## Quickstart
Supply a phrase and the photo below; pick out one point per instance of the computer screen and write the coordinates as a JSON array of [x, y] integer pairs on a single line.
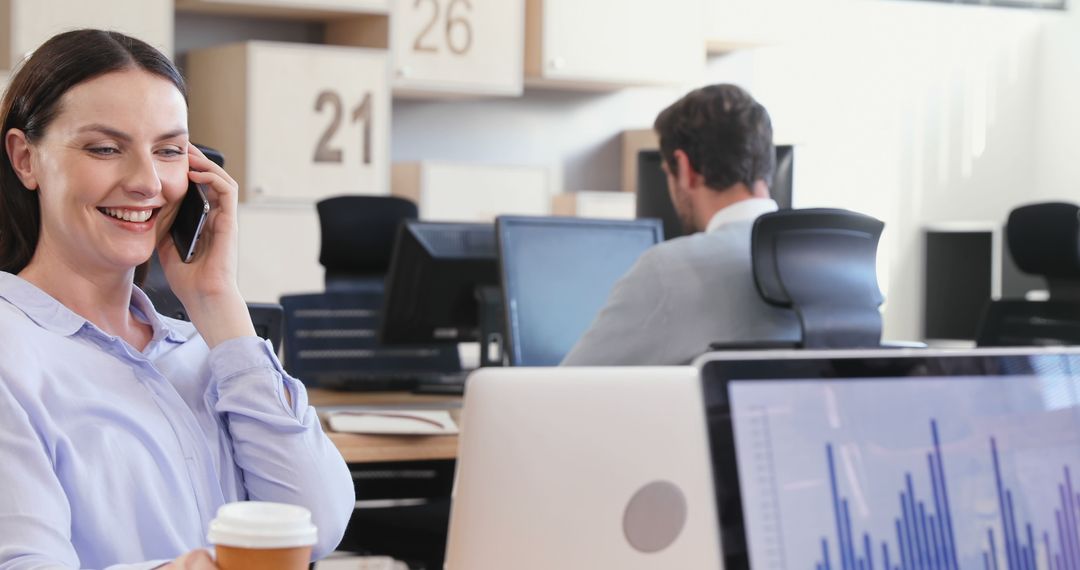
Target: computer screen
[[903, 459], [557, 274], [653, 200], [435, 270]]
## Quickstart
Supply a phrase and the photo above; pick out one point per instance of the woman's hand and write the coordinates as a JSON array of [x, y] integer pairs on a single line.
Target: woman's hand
[[207, 286], [194, 560]]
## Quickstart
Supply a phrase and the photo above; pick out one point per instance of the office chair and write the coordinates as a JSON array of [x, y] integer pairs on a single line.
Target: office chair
[[358, 237], [822, 264], [1044, 240], [331, 340]]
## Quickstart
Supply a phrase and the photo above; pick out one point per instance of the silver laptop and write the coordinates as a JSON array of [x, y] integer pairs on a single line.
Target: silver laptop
[[887, 460], [583, 468]]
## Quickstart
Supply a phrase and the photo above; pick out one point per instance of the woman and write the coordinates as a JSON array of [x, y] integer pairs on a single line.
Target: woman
[[122, 431]]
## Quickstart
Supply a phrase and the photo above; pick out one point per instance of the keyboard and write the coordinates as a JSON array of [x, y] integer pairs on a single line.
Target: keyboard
[[392, 381], [449, 384]]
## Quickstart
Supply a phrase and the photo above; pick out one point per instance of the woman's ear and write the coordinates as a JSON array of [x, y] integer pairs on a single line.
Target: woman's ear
[[20, 153]]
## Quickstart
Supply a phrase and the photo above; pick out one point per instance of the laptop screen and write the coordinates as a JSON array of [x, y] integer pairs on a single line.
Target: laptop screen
[[896, 461]]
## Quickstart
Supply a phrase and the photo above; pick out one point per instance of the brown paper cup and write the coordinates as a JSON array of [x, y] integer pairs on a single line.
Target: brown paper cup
[[252, 535]]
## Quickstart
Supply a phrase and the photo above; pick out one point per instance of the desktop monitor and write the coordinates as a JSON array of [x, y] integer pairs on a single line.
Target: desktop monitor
[[431, 288], [654, 201], [557, 274], [895, 459]]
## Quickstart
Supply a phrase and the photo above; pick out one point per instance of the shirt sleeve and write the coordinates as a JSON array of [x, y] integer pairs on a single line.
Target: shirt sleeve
[[280, 448], [625, 331]]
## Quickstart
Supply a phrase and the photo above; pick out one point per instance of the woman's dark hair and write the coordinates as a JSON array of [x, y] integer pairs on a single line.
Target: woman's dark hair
[[31, 103], [725, 133]]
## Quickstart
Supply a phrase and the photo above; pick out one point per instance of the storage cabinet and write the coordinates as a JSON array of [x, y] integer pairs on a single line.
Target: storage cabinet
[[296, 122], [737, 24], [313, 9], [458, 46], [593, 204], [279, 251], [613, 43], [25, 24], [450, 191]]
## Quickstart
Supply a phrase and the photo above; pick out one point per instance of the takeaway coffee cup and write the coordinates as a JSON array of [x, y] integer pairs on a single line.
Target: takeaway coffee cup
[[252, 535]]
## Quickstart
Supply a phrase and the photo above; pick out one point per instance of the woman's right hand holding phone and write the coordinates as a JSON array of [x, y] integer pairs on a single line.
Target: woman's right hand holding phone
[[207, 286]]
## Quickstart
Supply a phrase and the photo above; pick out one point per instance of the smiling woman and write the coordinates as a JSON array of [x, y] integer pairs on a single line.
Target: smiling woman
[[122, 431]]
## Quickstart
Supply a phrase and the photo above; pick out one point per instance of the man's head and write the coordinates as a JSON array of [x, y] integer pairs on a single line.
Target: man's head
[[717, 146]]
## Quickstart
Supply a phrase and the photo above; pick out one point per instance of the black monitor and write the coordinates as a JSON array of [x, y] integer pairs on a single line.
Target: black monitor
[[431, 289], [653, 200], [557, 274]]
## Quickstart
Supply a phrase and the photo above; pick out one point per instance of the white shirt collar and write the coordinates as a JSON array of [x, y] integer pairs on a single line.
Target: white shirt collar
[[742, 211]]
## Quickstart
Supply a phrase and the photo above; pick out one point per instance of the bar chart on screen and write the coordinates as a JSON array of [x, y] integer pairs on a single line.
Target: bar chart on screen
[[875, 475]]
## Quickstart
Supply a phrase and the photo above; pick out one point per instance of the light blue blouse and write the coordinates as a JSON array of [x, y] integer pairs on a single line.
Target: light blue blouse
[[115, 458]]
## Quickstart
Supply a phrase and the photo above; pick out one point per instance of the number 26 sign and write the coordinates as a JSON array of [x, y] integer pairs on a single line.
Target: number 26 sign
[[464, 46]]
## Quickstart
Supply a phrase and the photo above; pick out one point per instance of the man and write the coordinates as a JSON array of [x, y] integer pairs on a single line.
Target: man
[[681, 295]]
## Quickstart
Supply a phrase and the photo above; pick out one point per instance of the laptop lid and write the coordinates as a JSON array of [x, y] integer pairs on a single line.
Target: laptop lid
[[583, 468], [897, 460]]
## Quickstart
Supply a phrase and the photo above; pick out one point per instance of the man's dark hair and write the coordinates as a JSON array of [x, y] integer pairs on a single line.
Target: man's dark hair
[[726, 134]]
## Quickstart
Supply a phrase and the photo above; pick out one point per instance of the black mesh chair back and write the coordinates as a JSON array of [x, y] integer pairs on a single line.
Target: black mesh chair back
[[358, 235], [1044, 239]]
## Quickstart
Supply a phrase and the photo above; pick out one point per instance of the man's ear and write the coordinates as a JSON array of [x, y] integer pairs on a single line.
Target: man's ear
[[20, 153], [686, 175]]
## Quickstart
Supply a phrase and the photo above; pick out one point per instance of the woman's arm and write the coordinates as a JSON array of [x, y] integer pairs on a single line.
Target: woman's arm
[[277, 439], [279, 444]]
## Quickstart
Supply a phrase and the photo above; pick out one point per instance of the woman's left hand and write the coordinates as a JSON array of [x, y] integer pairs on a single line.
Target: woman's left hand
[[207, 286]]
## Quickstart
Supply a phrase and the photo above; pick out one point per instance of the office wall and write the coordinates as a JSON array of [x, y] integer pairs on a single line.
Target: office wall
[[912, 112], [908, 111], [1057, 172]]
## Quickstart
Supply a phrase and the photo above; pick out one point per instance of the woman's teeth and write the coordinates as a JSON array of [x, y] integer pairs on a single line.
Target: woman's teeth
[[129, 215]]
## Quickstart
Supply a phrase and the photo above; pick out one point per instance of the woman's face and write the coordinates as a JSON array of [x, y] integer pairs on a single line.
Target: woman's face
[[111, 169]]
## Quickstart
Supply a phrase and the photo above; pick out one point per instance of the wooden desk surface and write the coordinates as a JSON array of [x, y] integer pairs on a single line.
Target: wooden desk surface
[[357, 448]]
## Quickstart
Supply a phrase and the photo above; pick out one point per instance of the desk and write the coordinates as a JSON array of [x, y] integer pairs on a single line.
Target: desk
[[357, 448]]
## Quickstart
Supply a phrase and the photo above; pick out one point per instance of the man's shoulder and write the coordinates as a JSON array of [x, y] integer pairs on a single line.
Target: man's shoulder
[[732, 240]]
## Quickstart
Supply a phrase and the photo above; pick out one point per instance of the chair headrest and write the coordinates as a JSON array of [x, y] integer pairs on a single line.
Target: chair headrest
[[358, 232], [1044, 239], [823, 264], [821, 252]]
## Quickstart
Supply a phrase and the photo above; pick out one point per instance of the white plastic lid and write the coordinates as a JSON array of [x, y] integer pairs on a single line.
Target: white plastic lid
[[256, 524]]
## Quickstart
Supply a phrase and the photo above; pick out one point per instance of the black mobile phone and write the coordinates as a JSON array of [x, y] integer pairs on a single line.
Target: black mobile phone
[[189, 222]]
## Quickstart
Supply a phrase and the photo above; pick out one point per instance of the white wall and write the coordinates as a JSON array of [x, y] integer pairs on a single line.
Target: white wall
[[1057, 167], [913, 112]]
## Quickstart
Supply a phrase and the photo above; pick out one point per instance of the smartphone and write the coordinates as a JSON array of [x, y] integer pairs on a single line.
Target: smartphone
[[189, 222]]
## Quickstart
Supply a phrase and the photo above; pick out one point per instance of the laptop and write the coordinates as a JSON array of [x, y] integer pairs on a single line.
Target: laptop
[[820, 460], [597, 468], [895, 459]]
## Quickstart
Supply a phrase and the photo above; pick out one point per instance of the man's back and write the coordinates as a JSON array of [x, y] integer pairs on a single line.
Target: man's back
[[679, 297]]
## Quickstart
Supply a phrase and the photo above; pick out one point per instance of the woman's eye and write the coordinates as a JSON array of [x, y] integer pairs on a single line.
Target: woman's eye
[[170, 152], [104, 150]]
